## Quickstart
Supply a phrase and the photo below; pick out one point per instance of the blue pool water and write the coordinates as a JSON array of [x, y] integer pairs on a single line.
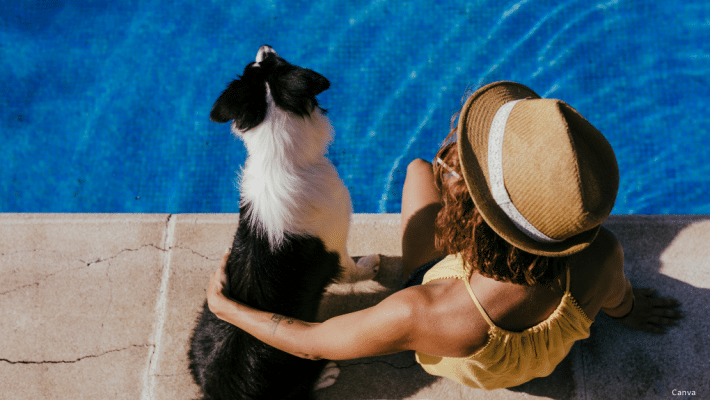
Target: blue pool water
[[104, 105]]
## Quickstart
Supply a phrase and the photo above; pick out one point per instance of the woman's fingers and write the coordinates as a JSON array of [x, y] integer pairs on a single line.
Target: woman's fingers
[[652, 314], [664, 302], [663, 321], [220, 273], [218, 278], [654, 329]]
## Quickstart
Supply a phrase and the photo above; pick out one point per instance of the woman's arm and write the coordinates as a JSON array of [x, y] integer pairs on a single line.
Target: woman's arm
[[383, 329], [619, 297], [636, 308]]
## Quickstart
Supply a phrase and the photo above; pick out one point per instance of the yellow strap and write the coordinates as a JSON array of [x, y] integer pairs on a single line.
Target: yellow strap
[[484, 314]]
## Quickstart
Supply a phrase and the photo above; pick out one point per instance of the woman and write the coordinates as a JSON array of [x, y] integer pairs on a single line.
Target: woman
[[514, 208]]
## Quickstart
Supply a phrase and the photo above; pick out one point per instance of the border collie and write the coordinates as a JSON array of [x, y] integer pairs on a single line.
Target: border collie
[[293, 226]]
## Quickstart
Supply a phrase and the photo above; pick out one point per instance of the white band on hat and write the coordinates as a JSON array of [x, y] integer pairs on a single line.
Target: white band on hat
[[495, 172]]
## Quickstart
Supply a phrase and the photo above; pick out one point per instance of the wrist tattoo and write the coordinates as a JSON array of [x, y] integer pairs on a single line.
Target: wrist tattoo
[[276, 320]]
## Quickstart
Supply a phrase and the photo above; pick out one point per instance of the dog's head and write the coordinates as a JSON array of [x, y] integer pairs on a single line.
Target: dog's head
[[292, 88]]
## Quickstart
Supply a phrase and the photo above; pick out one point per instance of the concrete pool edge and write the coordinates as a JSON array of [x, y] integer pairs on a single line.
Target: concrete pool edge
[[104, 303]]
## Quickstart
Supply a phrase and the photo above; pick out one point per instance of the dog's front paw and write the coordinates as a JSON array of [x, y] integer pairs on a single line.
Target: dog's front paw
[[327, 377], [365, 269], [368, 267]]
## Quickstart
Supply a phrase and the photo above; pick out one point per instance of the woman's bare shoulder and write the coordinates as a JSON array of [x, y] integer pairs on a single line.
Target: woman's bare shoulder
[[603, 253], [444, 322]]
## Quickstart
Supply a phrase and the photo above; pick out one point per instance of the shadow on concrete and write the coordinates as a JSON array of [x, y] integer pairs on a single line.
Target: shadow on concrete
[[615, 362], [618, 362], [394, 376], [560, 384]]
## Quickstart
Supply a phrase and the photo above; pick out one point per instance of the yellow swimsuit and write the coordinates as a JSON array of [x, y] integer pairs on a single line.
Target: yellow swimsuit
[[509, 358]]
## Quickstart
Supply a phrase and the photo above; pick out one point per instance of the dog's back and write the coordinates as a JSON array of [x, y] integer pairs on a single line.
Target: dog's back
[[229, 363], [279, 260]]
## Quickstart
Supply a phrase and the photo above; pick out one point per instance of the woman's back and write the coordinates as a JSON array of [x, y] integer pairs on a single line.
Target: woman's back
[[500, 356], [596, 275], [459, 329]]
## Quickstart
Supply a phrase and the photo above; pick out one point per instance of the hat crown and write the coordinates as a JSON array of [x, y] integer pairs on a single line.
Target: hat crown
[[558, 171]]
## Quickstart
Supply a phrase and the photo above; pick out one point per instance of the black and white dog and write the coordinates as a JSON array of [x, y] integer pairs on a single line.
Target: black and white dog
[[291, 239]]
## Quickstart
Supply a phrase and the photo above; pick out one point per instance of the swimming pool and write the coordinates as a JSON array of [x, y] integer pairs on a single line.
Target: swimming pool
[[104, 105]]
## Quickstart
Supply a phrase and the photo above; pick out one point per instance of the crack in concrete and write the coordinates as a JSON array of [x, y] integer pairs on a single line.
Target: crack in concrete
[[41, 279], [76, 360], [100, 259], [87, 264], [196, 253]]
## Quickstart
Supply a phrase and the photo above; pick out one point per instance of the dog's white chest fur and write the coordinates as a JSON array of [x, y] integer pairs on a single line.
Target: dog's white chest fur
[[289, 183]]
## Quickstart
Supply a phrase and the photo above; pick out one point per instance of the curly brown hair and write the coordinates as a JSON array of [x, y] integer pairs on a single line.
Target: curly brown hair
[[461, 229]]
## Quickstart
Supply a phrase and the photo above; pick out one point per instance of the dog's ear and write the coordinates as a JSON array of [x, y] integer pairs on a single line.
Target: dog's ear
[[222, 108], [296, 90], [317, 83], [244, 102]]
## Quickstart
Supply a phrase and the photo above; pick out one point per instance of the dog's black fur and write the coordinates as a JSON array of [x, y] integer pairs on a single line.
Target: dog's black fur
[[225, 361]]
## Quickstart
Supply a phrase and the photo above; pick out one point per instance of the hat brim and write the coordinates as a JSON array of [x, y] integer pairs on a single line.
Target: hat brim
[[472, 135]]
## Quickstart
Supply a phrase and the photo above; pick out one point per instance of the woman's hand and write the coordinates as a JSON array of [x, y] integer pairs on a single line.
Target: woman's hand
[[651, 314], [215, 298]]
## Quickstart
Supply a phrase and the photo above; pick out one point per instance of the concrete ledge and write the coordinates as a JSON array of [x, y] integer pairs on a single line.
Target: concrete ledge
[[101, 306]]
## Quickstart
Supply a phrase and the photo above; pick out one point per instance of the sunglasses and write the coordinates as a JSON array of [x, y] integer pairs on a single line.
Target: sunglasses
[[451, 171]]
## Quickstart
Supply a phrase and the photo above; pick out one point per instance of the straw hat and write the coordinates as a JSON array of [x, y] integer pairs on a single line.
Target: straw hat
[[540, 174]]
